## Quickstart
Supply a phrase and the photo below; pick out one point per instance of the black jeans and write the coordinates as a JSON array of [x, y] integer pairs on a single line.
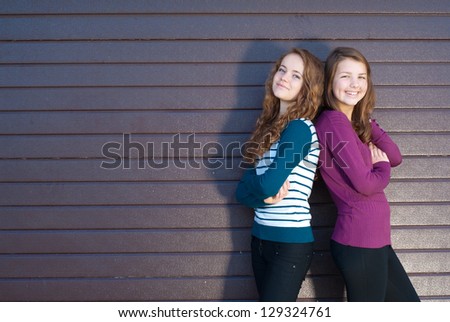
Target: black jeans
[[373, 274], [280, 268]]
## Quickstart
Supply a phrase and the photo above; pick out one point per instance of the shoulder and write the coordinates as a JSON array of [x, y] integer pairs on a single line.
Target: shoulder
[[298, 129], [299, 126], [331, 115], [331, 118], [374, 123]]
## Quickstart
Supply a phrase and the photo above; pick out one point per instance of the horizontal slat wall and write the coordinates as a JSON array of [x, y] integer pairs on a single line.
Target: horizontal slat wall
[[210, 51], [161, 223], [187, 98], [148, 122], [201, 75], [217, 6], [239, 26]]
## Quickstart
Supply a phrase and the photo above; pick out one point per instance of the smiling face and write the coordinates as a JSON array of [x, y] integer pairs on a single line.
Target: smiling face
[[349, 83], [288, 80]]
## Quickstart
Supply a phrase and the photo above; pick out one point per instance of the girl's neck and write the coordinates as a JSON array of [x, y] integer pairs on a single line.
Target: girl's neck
[[283, 108]]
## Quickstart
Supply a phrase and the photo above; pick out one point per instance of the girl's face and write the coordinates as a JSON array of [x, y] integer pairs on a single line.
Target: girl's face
[[288, 79], [349, 83]]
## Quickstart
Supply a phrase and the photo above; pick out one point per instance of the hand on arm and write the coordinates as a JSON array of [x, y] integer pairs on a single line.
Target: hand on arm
[[377, 154], [293, 146], [284, 190], [365, 179]]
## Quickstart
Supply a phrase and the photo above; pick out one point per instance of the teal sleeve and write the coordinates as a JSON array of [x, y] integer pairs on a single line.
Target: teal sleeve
[[244, 196], [294, 145]]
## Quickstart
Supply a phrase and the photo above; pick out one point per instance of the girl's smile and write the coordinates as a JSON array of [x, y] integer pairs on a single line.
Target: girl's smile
[[349, 83]]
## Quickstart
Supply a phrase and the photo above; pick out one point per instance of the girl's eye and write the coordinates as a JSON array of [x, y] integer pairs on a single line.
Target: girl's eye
[[297, 77], [281, 69]]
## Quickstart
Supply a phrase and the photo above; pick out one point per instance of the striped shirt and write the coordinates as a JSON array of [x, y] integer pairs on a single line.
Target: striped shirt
[[294, 157]]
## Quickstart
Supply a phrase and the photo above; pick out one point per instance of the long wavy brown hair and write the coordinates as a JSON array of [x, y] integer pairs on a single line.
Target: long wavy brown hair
[[364, 108], [269, 126]]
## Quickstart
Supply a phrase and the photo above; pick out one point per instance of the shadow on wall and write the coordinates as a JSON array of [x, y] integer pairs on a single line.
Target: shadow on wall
[[323, 281]]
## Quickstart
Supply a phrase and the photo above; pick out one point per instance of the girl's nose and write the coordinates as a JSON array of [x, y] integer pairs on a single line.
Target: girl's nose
[[354, 83]]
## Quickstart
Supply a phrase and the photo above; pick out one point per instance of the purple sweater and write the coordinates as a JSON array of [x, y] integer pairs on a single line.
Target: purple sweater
[[355, 185]]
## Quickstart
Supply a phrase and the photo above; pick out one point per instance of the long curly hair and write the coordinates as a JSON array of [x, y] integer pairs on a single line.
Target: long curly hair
[[268, 125], [364, 108]]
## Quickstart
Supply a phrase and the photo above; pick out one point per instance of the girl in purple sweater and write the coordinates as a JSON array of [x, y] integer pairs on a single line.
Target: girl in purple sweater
[[355, 162]]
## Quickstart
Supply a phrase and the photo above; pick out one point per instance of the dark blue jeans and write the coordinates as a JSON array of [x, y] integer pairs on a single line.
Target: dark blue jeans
[[373, 274], [280, 269]]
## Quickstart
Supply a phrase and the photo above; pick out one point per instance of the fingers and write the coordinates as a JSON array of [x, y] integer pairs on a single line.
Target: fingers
[[286, 186], [284, 190], [377, 154]]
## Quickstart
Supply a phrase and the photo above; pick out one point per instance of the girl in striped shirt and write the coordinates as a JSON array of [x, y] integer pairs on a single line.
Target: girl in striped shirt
[[283, 153]]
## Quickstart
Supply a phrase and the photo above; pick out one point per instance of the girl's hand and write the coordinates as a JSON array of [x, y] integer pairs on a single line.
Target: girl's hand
[[377, 154], [280, 195]]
